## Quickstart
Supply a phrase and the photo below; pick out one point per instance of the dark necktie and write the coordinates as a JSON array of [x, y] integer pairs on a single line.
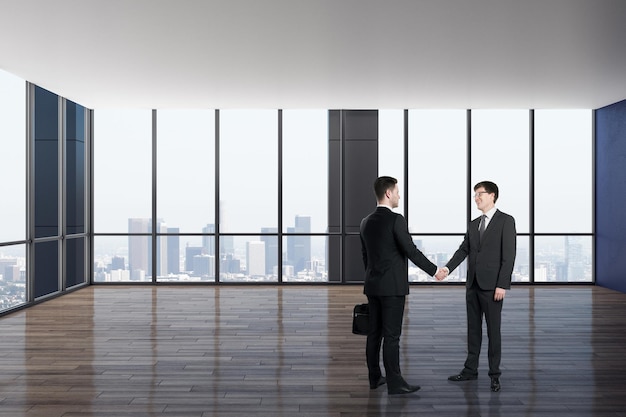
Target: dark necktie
[[481, 227]]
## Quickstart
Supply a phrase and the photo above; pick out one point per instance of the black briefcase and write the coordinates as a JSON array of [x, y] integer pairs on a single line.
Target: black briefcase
[[361, 319]]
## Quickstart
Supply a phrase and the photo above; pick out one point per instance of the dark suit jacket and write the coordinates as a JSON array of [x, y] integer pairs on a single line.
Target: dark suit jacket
[[386, 244], [490, 261]]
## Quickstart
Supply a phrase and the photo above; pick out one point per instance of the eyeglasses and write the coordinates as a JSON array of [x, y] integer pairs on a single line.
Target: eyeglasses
[[477, 194]]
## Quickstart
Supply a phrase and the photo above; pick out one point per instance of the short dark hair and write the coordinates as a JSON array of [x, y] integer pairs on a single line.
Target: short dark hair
[[382, 184], [490, 187]]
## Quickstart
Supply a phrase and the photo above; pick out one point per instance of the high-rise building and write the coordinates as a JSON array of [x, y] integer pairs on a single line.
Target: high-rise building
[[7, 262], [271, 249], [173, 250], [161, 240], [117, 262], [208, 242], [255, 258], [227, 243], [574, 258], [560, 271], [299, 247], [190, 252], [229, 265], [11, 273], [202, 265], [139, 248]]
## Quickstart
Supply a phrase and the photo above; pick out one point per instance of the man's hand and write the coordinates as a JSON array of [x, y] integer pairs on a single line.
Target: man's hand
[[442, 273], [499, 294]]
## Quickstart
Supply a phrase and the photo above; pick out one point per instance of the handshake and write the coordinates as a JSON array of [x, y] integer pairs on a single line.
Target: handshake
[[442, 273]]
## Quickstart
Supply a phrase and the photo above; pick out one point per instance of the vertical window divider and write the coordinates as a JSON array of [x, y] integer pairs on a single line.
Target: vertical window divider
[[342, 219], [90, 199], [406, 164], [30, 192], [217, 197], [280, 198], [469, 166], [531, 198], [153, 235], [62, 192], [593, 195]]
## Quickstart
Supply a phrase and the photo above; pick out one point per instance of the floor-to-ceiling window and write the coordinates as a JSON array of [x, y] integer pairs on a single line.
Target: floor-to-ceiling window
[[304, 192], [437, 177], [248, 197], [242, 195], [13, 190], [563, 196], [123, 195], [185, 195]]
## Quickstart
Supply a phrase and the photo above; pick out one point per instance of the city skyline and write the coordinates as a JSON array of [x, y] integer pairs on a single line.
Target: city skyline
[[559, 258]]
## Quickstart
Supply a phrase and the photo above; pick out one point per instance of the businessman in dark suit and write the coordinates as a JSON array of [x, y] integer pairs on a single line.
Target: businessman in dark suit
[[490, 245], [386, 244]]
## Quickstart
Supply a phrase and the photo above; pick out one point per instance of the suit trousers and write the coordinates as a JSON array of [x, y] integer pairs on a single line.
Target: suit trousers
[[386, 314], [480, 303]]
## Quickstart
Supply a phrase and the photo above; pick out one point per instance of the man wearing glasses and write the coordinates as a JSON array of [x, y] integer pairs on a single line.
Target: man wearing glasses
[[490, 244]]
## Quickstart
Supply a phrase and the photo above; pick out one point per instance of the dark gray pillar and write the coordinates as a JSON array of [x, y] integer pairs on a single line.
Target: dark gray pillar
[[353, 167]]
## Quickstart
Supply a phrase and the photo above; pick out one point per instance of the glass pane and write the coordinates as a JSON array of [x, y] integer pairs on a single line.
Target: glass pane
[[186, 168], [46, 274], [189, 258], [248, 170], [298, 254], [245, 258], [521, 270], [75, 261], [12, 276], [126, 258], [305, 168], [46, 163], [12, 158], [563, 259], [305, 259], [439, 249], [437, 193], [500, 153], [140, 249], [122, 168], [75, 168], [111, 259], [563, 171], [391, 150]]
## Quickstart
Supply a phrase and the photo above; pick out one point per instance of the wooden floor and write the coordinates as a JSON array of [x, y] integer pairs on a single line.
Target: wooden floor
[[288, 351]]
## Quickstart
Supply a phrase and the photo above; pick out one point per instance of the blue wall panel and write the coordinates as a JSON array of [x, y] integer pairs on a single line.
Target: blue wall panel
[[610, 211]]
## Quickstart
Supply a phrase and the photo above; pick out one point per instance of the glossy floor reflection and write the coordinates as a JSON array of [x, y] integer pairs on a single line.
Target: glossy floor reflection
[[288, 351]]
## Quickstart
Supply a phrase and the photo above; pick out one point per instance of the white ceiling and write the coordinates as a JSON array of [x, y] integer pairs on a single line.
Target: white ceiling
[[320, 53]]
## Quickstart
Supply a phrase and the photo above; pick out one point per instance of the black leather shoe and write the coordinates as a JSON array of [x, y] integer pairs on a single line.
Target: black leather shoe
[[381, 381], [403, 389], [462, 377], [495, 384]]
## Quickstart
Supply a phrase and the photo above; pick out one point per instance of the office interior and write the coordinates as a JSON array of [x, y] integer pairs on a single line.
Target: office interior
[[150, 144]]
